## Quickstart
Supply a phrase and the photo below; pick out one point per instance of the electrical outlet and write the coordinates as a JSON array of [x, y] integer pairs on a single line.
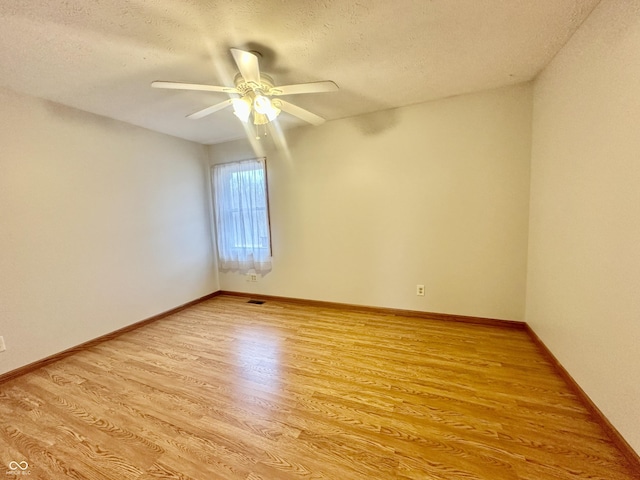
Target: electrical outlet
[[2, 345], [420, 290], [252, 277]]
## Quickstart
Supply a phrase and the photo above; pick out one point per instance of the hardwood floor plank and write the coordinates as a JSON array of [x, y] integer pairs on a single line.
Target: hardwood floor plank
[[233, 391]]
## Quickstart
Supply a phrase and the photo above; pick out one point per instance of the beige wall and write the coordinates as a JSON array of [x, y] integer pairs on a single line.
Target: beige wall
[[365, 208], [102, 224], [583, 296]]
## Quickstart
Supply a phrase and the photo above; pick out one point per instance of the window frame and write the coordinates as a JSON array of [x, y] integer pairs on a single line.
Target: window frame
[[268, 249]]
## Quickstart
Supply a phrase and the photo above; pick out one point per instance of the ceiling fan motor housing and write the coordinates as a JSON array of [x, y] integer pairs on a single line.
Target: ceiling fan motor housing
[[247, 88]]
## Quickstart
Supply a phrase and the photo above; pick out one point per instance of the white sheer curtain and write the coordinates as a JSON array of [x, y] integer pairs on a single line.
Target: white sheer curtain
[[242, 215]]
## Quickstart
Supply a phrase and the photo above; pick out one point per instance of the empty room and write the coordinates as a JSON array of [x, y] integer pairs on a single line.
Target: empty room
[[338, 240]]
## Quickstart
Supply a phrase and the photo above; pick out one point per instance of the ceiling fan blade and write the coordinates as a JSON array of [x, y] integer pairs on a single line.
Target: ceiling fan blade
[[192, 86], [248, 65], [312, 87], [301, 113], [209, 110]]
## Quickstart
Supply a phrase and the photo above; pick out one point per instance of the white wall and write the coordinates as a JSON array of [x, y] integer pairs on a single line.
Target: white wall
[[365, 208], [583, 296], [102, 224]]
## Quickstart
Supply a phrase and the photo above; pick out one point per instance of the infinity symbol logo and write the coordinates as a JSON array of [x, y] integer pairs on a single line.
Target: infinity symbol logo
[[15, 465]]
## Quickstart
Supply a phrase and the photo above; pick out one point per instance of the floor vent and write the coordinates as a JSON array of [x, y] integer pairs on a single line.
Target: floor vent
[[256, 302]]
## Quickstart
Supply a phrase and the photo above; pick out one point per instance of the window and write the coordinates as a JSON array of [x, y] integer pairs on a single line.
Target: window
[[241, 211]]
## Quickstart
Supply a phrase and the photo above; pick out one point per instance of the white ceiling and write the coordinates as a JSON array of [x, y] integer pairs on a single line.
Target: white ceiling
[[101, 55]]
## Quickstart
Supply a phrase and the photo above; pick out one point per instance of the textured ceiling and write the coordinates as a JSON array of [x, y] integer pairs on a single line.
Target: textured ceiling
[[101, 56]]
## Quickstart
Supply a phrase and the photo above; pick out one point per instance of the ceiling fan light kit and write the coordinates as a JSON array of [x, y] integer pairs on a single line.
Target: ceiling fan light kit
[[254, 100], [254, 90]]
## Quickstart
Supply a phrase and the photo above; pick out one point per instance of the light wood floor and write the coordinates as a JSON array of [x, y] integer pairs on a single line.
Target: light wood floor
[[229, 390]]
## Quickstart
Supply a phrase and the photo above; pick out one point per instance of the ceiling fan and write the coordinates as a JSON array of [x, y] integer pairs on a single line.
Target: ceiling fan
[[251, 95]]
